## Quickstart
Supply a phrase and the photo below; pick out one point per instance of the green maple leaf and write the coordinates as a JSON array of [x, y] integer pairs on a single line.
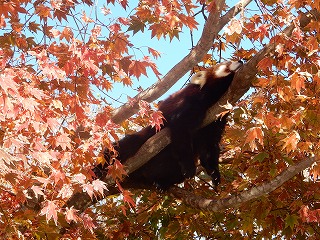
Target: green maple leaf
[[291, 220]]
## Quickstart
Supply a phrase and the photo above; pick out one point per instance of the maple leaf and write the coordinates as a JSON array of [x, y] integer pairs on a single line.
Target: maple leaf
[[58, 175], [126, 81], [124, 21], [53, 123], [55, 33], [44, 181], [254, 134], [144, 108], [156, 120], [105, 11], [42, 157], [57, 104], [235, 26], [63, 141], [297, 82], [127, 198], [291, 221], [37, 93], [43, 11], [265, 64], [37, 190], [66, 191], [157, 30], [66, 34], [85, 18], [96, 31], [136, 25], [50, 209], [124, 3], [171, 19], [7, 82], [154, 53], [116, 170], [79, 178], [291, 141], [6, 157], [99, 186], [71, 215], [262, 31], [88, 188], [189, 21], [30, 104], [87, 222], [34, 27]]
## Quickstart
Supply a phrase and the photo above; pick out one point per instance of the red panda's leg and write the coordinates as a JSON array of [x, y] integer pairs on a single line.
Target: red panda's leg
[[182, 151], [206, 144]]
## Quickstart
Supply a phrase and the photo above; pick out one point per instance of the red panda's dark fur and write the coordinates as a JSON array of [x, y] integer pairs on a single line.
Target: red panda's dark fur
[[184, 112]]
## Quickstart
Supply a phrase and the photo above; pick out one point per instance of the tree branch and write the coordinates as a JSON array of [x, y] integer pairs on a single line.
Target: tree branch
[[212, 27], [220, 205]]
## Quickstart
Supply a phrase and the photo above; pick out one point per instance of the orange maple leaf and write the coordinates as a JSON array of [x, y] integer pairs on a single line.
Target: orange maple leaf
[[297, 82], [254, 134], [291, 141], [137, 68]]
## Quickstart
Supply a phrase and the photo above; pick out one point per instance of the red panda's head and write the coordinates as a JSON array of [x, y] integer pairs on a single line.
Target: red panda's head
[[218, 71]]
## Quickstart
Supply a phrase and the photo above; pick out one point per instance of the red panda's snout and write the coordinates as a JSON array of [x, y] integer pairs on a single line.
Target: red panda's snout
[[225, 68]]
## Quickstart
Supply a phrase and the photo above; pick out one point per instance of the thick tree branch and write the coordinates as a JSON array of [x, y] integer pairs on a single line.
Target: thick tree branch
[[220, 205], [212, 27]]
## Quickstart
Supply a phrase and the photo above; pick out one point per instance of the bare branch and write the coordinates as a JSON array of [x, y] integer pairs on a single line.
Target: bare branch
[[236, 200], [211, 29]]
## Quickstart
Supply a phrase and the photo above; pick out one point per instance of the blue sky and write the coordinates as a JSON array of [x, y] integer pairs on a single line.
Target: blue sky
[[171, 53]]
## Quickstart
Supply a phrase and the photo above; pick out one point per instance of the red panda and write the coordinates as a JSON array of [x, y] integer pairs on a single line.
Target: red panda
[[184, 112]]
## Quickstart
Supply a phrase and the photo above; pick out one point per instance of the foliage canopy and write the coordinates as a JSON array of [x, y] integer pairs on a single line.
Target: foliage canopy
[[59, 64]]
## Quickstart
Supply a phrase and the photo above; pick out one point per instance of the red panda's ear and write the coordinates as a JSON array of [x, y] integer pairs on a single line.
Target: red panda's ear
[[199, 78]]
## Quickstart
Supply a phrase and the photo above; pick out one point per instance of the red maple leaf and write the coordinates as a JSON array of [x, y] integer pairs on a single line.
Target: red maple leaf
[[87, 222], [50, 209], [71, 215], [157, 120]]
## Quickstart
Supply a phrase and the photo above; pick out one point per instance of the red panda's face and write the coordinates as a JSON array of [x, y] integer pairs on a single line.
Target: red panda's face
[[218, 71], [225, 68]]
